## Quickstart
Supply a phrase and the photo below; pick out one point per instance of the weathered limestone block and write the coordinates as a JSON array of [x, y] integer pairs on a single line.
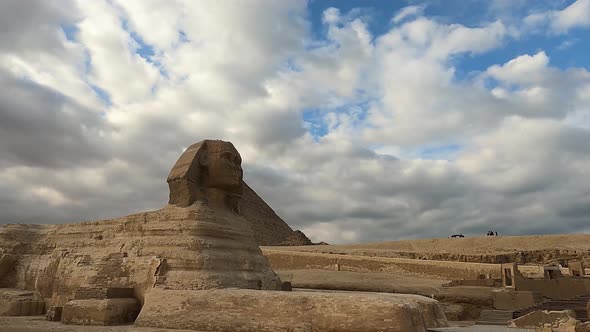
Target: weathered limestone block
[[509, 299], [241, 310], [100, 311], [7, 270], [539, 318], [14, 302]]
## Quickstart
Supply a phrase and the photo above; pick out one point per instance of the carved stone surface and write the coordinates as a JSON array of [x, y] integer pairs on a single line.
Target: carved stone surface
[[200, 246], [208, 171], [241, 310]]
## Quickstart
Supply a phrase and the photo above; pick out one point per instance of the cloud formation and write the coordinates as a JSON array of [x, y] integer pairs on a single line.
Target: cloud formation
[[349, 134], [576, 15]]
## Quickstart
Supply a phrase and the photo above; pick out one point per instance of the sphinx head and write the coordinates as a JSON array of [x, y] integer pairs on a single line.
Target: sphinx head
[[208, 171]]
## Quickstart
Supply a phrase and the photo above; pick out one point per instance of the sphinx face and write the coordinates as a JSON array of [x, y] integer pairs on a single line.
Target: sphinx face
[[224, 166]]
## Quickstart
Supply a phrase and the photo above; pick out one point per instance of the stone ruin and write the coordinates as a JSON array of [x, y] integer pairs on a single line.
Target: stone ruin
[[193, 264]]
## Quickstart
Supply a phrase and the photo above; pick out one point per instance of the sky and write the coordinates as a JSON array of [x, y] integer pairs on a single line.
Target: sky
[[357, 121]]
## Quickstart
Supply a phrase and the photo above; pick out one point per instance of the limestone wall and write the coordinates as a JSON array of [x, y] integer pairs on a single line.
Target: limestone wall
[[557, 289], [20, 303], [505, 299], [291, 260], [267, 311]]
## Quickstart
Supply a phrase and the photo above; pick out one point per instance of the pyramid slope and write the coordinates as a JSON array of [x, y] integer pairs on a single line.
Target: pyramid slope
[[269, 228]]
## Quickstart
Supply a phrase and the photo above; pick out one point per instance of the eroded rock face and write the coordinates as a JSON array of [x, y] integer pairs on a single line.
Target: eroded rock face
[[198, 241], [246, 310]]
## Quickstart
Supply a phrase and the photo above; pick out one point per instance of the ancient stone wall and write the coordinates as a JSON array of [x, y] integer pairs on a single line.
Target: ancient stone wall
[[290, 260], [576, 269], [20, 303], [556, 289], [475, 282], [505, 299]]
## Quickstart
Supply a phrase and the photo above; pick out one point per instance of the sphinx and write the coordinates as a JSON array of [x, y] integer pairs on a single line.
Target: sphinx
[[208, 171], [197, 241]]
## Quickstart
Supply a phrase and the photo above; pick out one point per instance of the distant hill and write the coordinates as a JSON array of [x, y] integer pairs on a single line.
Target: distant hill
[[269, 228], [537, 249]]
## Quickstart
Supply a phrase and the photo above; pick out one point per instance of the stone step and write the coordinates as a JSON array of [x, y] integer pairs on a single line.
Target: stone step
[[496, 323], [577, 304], [494, 317]]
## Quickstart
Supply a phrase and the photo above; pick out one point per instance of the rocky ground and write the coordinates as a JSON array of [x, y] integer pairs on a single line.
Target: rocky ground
[[536, 249], [39, 324]]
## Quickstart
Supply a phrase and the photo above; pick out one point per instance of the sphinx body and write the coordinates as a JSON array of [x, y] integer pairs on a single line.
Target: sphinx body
[[198, 241]]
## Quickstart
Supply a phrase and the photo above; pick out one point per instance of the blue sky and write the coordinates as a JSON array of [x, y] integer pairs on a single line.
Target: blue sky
[[565, 50]]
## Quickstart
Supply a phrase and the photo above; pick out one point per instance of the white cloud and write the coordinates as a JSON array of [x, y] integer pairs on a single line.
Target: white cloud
[[331, 16], [50, 195], [523, 69], [114, 65], [419, 102], [253, 73], [576, 15], [408, 12], [158, 22]]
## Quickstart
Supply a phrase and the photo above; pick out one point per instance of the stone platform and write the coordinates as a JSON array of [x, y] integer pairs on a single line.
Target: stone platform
[[100, 311], [15, 302], [242, 310]]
